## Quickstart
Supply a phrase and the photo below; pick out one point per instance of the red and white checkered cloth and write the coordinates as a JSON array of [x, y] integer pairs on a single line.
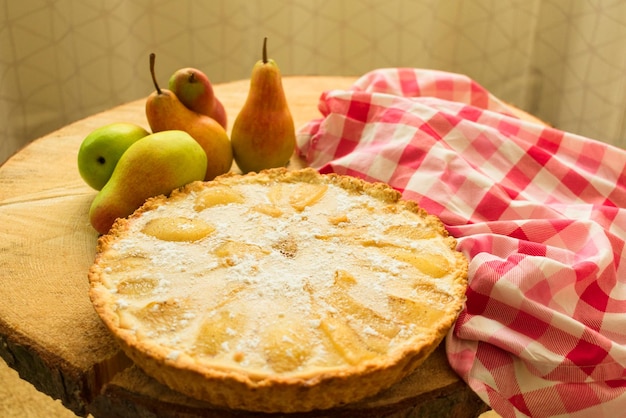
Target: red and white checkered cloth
[[538, 212]]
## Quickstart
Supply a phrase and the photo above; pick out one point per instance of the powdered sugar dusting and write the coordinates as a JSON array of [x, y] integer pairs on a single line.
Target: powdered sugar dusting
[[292, 275]]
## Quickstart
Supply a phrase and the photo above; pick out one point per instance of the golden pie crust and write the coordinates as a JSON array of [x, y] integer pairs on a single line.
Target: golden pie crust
[[279, 291]]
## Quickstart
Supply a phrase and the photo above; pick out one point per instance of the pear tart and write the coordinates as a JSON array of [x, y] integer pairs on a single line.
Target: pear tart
[[279, 291]]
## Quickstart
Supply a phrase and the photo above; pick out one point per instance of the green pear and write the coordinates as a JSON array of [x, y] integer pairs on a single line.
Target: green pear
[[263, 134], [194, 89], [165, 111], [102, 148], [154, 165]]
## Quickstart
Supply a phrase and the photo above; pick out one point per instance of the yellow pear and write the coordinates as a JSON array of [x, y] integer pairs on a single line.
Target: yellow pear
[[154, 165], [165, 111], [263, 134]]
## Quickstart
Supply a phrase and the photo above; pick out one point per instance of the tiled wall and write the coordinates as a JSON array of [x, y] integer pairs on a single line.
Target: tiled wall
[[564, 61]]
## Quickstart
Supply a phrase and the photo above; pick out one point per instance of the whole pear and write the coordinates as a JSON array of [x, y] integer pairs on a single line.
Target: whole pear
[[165, 112], [102, 148], [194, 89], [263, 134], [154, 165]]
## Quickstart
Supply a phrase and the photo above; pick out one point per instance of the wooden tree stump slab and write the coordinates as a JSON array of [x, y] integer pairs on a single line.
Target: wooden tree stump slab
[[433, 391], [49, 331]]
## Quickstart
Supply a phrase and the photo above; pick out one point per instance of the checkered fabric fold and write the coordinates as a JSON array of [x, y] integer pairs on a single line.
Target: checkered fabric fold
[[538, 212]]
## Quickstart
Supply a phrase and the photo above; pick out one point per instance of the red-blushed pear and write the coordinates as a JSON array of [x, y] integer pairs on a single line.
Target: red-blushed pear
[[194, 89], [165, 111], [263, 134], [154, 165]]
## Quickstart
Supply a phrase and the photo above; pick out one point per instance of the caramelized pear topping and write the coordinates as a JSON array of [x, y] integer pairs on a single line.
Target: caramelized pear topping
[[307, 195], [135, 286], [218, 195], [230, 252], [178, 229], [217, 330], [286, 344], [164, 316], [432, 264], [267, 209]]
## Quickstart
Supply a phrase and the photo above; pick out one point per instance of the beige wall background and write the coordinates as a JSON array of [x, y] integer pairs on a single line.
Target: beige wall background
[[564, 61]]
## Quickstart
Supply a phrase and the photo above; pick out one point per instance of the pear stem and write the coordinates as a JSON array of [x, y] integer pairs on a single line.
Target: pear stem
[[265, 50], [152, 60]]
